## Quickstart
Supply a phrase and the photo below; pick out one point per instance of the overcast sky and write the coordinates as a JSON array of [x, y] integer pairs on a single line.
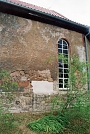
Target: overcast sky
[[76, 10]]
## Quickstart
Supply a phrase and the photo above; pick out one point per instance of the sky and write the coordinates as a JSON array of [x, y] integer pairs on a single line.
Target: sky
[[75, 10]]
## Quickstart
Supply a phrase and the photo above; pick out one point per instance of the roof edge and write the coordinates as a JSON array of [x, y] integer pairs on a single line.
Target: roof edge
[[55, 20]]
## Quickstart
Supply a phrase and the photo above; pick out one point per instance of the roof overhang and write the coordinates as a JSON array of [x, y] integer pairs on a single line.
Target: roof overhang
[[25, 12]]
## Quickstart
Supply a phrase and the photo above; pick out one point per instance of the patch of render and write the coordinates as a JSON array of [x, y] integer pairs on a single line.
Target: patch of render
[[61, 36], [12, 28], [45, 37], [81, 53], [65, 31], [22, 40], [48, 31], [24, 30], [1, 28], [26, 27]]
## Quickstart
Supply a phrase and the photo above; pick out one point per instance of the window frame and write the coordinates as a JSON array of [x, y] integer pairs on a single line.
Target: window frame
[[63, 49]]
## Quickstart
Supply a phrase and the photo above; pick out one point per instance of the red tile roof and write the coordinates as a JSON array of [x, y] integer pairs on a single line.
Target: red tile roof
[[37, 8], [41, 9], [68, 24]]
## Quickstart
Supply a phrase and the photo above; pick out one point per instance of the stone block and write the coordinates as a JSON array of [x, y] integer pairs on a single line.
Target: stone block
[[14, 74], [23, 78]]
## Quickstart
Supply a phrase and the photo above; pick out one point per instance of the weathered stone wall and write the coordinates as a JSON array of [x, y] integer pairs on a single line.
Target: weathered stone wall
[[27, 101], [29, 49], [24, 97]]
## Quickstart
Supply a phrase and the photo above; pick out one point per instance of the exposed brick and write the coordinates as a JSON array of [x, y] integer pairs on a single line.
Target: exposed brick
[[23, 84]]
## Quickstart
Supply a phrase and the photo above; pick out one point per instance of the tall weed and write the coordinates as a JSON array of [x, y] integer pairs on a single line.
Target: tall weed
[[72, 108]]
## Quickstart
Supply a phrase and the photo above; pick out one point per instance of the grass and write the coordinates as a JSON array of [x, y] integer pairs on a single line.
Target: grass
[[73, 122], [79, 121], [17, 123]]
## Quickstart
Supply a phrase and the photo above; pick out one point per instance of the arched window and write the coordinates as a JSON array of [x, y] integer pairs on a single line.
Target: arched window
[[63, 64]]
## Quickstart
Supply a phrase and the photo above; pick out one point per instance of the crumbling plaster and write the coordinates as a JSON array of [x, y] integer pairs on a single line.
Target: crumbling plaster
[[29, 49], [30, 45]]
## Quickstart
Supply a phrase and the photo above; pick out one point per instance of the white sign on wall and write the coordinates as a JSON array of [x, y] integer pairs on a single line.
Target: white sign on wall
[[42, 87]]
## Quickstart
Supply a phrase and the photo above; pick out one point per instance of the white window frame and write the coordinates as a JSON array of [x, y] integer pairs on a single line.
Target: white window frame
[[63, 76]]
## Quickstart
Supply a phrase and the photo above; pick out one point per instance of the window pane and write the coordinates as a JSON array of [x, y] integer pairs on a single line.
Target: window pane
[[61, 62], [60, 83], [66, 75], [65, 51], [59, 51], [60, 65], [64, 42], [60, 70], [60, 42], [65, 65], [61, 75], [64, 46], [65, 70], [65, 83], [60, 80], [60, 46]]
